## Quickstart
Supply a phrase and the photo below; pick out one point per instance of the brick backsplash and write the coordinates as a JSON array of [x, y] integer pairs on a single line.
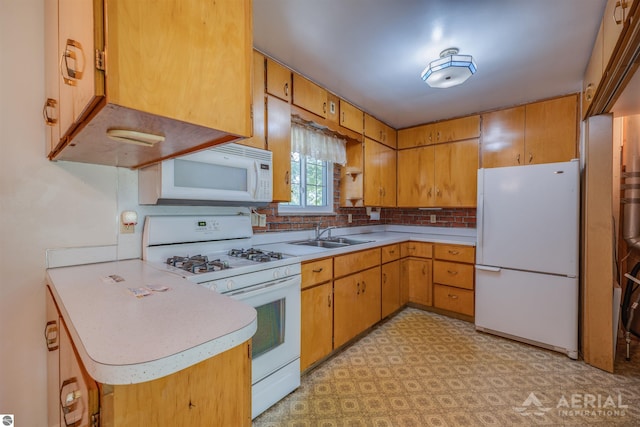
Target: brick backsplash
[[458, 217]]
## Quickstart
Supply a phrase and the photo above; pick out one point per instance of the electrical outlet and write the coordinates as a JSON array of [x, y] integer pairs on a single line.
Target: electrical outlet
[[349, 218], [433, 219]]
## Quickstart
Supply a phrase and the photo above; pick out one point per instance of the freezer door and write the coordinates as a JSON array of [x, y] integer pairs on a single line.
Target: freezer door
[[532, 307], [528, 217]]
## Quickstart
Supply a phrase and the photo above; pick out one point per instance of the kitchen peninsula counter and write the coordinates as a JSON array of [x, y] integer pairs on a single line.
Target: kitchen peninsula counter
[[124, 339]]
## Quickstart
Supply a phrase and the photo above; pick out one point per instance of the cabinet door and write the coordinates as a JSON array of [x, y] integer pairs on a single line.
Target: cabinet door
[[77, 43], [369, 299], [390, 288], [503, 138], [78, 392], [416, 177], [346, 316], [417, 273], [351, 117], [279, 143], [379, 174], [457, 129], [258, 138], [309, 96], [593, 74], [52, 341], [378, 131], [551, 130], [316, 324], [278, 80], [416, 136], [456, 173], [52, 90]]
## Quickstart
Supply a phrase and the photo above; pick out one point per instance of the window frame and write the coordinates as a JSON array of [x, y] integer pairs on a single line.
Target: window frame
[[328, 209]]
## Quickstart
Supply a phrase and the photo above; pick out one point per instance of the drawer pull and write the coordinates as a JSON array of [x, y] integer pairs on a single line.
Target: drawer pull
[[392, 251], [454, 252], [318, 270], [452, 296], [358, 288], [453, 273]]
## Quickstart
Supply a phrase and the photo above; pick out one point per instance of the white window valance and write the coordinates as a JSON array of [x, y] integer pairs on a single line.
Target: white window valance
[[317, 144]]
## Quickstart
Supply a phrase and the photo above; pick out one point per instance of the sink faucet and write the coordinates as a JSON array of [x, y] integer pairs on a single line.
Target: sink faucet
[[319, 232]]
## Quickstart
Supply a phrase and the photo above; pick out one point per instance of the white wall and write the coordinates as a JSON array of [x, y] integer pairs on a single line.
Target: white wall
[[44, 205]]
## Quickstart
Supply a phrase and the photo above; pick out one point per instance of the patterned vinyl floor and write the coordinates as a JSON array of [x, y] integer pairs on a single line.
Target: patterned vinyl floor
[[424, 369]]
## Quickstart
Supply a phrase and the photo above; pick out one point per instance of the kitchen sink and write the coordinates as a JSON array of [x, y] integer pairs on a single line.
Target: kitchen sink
[[336, 242]]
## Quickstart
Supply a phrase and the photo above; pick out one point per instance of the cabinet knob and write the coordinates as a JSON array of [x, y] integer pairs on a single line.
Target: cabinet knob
[[318, 270], [518, 158], [452, 272], [619, 5], [453, 252], [286, 89], [364, 286], [72, 70], [588, 92], [452, 296], [49, 104], [51, 335], [324, 107], [286, 177], [328, 300], [530, 157]]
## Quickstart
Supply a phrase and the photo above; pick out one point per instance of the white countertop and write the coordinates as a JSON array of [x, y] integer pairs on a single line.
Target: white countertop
[[122, 339], [373, 238]]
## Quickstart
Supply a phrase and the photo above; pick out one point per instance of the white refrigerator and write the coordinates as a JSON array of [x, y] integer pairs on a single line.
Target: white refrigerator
[[527, 254]]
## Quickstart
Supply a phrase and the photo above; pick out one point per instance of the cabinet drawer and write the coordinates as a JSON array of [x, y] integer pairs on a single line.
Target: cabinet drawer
[[453, 299], [315, 272], [417, 249], [458, 253], [390, 253], [453, 273], [350, 263]]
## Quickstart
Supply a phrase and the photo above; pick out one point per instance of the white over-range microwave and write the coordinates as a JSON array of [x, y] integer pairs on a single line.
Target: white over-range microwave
[[227, 175]]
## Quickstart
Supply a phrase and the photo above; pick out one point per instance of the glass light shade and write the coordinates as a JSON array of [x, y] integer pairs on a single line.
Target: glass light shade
[[449, 71]]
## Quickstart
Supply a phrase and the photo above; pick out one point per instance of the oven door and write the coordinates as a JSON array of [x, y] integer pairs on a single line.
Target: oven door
[[276, 342]]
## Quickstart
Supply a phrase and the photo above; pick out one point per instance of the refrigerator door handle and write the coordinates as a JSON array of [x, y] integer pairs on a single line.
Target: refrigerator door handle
[[488, 268], [479, 216]]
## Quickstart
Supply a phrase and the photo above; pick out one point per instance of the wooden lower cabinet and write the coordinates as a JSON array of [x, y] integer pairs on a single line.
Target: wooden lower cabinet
[[453, 299], [316, 324], [216, 391], [453, 278], [390, 288], [416, 272], [356, 304]]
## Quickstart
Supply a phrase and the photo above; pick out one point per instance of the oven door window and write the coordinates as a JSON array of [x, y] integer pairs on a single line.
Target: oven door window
[[271, 327]]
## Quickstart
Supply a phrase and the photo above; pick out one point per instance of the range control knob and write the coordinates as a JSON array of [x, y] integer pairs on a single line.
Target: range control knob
[[230, 284], [213, 286], [276, 273], [287, 271]]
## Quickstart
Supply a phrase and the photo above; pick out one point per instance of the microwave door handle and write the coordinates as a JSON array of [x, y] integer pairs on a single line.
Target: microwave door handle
[[255, 179]]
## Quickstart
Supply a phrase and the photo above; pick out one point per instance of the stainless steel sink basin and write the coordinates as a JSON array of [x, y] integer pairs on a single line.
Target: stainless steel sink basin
[[336, 242]]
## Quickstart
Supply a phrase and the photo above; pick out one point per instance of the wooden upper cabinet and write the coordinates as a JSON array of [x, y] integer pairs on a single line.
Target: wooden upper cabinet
[[278, 80], [458, 129], [439, 132], [456, 174], [551, 130], [378, 131], [310, 96], [279, 143], [379, 174], [503, 138], [416, 136], [442, 175], [259, 116], [351, 117], [593, 74], [189, 89], [415, 185], [541, 132]]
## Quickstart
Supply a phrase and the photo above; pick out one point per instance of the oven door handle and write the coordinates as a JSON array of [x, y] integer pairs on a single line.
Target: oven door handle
[[265, 287]]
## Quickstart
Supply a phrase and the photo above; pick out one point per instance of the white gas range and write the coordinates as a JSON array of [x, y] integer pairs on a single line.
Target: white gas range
[[216, 252]]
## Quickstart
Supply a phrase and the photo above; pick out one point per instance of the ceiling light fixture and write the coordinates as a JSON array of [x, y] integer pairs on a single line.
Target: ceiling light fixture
[[450, 70]]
